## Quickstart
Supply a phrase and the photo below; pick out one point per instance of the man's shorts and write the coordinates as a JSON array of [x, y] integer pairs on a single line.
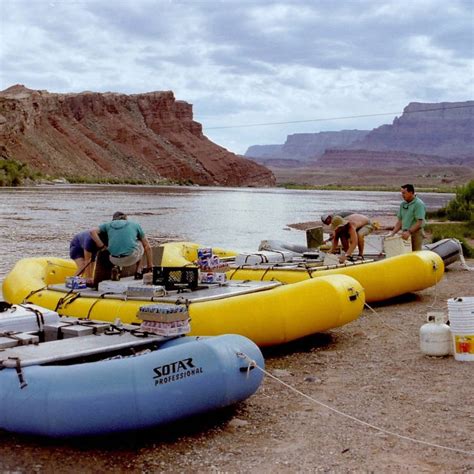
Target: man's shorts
[[365, 230], [128, 260], [417, 240], [75, 249]]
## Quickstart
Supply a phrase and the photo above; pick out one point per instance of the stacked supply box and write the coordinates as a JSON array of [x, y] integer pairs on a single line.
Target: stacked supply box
[[114, 287], [212, 269], [164, 319], [76, 283], [145, 291], [136, 289], [68, 327], [212, 277]]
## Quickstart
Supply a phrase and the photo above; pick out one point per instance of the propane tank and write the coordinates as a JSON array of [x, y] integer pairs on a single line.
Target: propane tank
[[435, 336]]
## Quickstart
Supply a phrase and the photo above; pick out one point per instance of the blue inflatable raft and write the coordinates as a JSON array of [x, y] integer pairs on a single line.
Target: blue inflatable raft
[[120, 379]]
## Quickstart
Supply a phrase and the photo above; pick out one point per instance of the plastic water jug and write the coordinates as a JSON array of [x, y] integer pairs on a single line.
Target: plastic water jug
[[435, 336]]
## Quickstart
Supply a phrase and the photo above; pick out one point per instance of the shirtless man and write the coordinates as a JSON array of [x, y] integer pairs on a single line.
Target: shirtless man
[[351, 230]]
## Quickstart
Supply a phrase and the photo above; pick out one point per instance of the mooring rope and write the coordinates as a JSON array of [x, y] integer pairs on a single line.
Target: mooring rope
[[353, 418], [435, 297], [393, 328]]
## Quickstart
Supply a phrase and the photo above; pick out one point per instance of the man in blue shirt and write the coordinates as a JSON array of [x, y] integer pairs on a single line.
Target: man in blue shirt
[[126, 242], [411, 217]]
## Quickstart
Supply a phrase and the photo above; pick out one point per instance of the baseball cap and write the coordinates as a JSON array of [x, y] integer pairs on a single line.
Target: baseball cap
[[119, 216], [325, 217], [338, 221]]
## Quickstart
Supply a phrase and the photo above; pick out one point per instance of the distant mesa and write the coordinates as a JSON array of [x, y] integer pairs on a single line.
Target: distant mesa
[[430, 134], [304, 146], [148, 137]]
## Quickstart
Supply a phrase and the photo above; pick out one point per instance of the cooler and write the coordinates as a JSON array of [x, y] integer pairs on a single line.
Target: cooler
[[26, 318]]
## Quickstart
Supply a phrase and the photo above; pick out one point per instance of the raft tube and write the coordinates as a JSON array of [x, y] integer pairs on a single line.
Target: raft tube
[[449, 250], [381, 280], [273, 316], [184, 377]]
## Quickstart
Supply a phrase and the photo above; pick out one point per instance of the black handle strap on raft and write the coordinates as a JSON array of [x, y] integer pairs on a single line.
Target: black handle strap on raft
[[139, 333], [183, 301], [354, 294], [231, 277], [31, 293], [88, 323], [101, 297], [265, 272], [66, 300], [37, 313], [19, 372], [113, 330], [39, 320], [59, 333]]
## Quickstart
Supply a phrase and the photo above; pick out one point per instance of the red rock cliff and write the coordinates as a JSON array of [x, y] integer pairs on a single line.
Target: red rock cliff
[[142, 136]]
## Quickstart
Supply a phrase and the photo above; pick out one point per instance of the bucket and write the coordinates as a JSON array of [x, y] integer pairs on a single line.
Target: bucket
[[461, 317], [463, 345], [395, 245]]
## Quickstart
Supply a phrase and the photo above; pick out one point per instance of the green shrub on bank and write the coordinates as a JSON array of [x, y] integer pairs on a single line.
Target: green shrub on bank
[[462, 231], [461, 208], [13, 173], [94, 180]]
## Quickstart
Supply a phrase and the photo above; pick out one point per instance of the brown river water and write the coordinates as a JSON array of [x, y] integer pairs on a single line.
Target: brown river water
[[40, 220]]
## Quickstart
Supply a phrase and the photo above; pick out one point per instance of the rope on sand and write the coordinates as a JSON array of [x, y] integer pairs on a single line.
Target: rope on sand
[[393, 328], [353, 418]]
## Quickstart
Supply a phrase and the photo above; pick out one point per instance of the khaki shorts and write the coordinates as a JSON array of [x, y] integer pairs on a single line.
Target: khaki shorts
[[417, 240], [134, 257], [366, 230]]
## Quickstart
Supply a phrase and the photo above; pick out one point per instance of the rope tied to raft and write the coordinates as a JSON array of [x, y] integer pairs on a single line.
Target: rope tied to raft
[[393, 328], [353, 418], [251, 364]]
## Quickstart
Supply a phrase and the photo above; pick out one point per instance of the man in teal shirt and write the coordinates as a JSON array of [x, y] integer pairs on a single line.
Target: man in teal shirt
[[411, 217], [127, 242]]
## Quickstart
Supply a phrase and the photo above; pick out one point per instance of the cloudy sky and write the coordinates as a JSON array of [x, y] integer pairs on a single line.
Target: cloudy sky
[[242, 63]]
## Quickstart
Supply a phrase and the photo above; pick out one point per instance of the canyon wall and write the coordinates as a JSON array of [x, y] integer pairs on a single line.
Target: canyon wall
[[443, 129], [149, 137]]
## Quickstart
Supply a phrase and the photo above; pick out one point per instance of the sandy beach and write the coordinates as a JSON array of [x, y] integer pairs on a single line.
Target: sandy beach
[[304, 418]]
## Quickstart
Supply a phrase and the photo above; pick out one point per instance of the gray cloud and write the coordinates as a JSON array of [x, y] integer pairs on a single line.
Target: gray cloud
[[247, 61]]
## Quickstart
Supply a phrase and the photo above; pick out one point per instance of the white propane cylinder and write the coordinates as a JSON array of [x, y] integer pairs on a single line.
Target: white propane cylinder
[[435, 336]]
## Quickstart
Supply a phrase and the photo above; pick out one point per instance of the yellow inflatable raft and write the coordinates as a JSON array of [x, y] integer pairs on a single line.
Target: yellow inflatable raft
[[268, 313], [381, 280]]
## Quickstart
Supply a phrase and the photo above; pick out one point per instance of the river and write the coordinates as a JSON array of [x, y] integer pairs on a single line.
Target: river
[[40, 220]]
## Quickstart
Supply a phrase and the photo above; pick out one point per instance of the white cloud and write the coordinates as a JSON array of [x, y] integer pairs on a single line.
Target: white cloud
[[248, 61]]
